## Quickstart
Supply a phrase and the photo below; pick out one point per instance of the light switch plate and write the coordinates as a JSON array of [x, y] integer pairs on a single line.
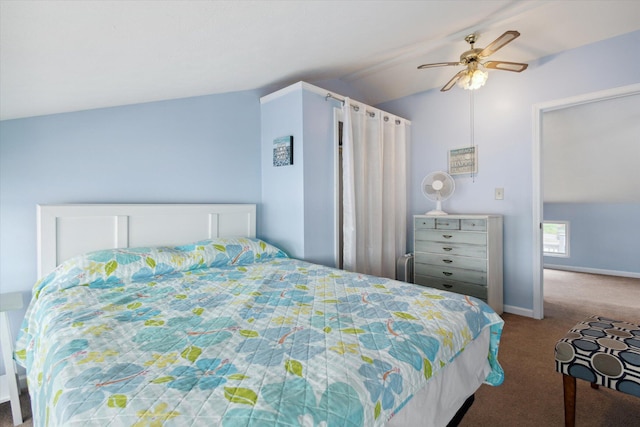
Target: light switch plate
[[499, 193]]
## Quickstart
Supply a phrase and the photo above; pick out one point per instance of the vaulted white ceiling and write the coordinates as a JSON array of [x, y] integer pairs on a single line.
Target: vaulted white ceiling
[[60, 56]]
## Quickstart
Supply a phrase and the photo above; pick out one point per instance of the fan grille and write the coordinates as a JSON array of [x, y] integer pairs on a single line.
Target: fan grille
[[438, 186]]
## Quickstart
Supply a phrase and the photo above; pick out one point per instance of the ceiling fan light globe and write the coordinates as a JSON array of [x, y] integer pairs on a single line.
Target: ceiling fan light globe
[[479, 78], [474, 79], [463, 82]]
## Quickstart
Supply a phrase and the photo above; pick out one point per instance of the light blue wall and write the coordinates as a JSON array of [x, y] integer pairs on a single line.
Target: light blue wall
[[319, 178], [602, 236], [298, 200], [282, 217], [503, 133], [195, 150]]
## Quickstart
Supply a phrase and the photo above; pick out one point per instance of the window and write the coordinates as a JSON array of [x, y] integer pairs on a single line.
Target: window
[[555, 238]]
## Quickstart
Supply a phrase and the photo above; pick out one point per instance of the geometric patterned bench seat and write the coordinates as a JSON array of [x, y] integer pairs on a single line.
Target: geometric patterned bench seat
[[604, 352]]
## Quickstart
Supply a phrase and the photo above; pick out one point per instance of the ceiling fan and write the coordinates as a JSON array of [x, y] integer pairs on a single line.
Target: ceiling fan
[[474, 75]]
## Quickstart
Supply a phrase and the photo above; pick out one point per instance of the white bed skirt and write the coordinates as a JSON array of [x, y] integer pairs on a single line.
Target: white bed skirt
[[437, 403]]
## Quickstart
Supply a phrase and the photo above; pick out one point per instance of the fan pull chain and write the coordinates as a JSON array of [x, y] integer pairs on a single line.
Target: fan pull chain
[[471, 132]]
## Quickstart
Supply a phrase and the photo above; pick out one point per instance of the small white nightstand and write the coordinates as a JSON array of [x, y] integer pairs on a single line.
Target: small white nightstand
[[8, 382]]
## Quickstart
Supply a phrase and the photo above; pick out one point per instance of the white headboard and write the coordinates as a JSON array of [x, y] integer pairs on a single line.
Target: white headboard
[[65, 231]]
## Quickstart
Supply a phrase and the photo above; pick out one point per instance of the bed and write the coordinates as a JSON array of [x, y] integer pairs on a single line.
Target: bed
[[177, 315]]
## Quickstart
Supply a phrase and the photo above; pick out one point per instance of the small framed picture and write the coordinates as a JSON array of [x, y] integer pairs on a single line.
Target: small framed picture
[[463, 160], [283, 151]]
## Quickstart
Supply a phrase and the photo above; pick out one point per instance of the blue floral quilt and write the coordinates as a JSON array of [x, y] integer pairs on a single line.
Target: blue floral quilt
[[232, 332]]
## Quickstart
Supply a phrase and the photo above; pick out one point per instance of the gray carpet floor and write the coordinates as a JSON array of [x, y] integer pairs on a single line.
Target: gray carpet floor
[[531, 394]]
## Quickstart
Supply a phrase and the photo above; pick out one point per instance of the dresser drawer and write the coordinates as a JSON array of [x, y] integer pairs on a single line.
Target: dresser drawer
[[471, 289], [471, 237], [447, 224], [424, 223], [460, 249], [467, 263], [451, 273], [437, 223], [473, 224]]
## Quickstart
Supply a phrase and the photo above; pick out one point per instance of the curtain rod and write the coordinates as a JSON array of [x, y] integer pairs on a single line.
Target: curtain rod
[[356, 108]]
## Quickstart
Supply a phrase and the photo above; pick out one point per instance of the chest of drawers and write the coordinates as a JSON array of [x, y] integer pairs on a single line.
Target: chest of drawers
[[460, 253]]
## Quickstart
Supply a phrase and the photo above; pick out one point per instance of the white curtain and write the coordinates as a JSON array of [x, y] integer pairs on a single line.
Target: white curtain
[[374, 151]]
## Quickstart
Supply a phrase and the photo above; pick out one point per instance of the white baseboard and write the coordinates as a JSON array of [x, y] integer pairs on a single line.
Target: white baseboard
[[593, 271], [526, 312]]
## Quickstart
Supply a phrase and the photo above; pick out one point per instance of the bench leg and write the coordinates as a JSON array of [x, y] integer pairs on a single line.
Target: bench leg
[[569, 383]]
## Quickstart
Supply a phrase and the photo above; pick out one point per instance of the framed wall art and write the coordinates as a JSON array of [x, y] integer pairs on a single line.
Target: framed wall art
[[283, 151], [463, 160]]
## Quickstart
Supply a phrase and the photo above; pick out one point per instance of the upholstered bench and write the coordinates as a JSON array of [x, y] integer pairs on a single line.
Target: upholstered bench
[[602, 351]]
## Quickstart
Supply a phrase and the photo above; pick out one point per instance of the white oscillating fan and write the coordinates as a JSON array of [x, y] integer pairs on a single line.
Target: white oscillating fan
[[438, 186]]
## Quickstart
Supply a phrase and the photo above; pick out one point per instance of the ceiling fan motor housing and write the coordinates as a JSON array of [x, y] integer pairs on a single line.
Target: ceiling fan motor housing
[[470, 56]]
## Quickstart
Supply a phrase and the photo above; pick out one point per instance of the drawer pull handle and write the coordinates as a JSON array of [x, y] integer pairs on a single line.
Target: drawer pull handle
[[447, 286], [447, 249], [447, 236], [446, 273], [448, 261]]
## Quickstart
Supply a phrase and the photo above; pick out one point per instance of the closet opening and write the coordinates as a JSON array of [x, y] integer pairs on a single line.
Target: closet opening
[[339, 238]]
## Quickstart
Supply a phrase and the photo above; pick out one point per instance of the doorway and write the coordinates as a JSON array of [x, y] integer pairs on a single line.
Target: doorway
[[538, 174]]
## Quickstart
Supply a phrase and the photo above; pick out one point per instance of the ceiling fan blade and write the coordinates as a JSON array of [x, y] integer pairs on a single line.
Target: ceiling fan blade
[[499, 43], [506, 66], [438, 64], [453, 81]]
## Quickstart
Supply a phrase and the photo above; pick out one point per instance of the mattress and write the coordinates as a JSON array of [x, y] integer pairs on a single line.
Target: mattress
[[232, 332]]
